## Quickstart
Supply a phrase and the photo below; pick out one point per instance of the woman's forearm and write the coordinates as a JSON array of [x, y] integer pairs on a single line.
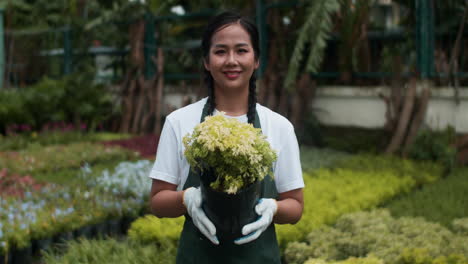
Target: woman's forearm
[[290, 206], [165, 200], [167, 203]]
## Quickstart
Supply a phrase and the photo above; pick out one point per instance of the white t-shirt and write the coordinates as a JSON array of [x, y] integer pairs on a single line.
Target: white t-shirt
[[172, 166]]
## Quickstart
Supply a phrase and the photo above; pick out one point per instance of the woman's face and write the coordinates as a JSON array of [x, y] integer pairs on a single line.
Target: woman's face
[[231, 59]]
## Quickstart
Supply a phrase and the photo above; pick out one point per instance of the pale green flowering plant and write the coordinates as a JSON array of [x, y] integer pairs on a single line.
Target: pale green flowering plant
[[237, 153]]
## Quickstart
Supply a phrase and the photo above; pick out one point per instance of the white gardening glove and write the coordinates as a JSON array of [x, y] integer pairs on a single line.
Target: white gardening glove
[[193, 201], [266, 208]]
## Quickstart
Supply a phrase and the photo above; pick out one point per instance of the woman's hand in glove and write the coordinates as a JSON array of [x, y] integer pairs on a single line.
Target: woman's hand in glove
[[193, 200], [266, 208]]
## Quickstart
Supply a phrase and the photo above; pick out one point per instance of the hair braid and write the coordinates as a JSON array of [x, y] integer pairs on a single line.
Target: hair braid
[[211, 94], [252, 99]]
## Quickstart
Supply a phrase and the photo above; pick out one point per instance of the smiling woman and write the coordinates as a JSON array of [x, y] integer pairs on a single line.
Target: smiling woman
[[230, 48]]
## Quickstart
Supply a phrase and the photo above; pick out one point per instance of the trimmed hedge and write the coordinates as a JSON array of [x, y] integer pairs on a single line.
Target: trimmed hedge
[[24, 141], [150, 229], [378, 234], [111, 251], [57, 157], [441, 201]]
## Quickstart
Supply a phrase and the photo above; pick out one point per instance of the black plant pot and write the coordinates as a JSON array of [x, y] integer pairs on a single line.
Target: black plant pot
[[125, 224], [100, 230], [83, 232], [22, 255], [63, 237], [113, 227], [6, 258], [230, 212], [41, 244]]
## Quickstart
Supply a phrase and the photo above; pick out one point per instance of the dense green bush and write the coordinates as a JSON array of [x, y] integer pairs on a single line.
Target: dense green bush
[[73, 99], [162, 231], [436, 146], [441, 201], [354, 139], [57, 157], [12, 109], [111, 251], [378, 234], [313, 158]]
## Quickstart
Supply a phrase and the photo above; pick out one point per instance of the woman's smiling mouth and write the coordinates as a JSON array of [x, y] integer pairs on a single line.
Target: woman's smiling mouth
[[232, 74]]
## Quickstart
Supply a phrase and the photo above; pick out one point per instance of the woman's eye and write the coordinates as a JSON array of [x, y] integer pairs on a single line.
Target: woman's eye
[[242, 50], [219, 51]]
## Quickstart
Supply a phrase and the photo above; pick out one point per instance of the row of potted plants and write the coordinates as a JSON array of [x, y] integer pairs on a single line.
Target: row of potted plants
[[54, 210], [45, 159]]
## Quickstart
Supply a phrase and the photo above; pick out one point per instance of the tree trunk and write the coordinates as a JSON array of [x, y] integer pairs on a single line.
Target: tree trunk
[[453, 66], [418, 118], [159, 91], [128, 106], [301, 100], [140, 98], [404, 119]]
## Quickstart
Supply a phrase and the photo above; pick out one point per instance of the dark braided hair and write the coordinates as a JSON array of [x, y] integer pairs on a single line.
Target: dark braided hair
[[218, 22]]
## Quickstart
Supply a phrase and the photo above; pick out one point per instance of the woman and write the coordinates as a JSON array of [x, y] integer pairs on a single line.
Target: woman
[[230, 56]]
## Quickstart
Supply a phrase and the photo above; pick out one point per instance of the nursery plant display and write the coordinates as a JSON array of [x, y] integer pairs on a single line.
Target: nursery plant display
[[232, 158], [378, 234]]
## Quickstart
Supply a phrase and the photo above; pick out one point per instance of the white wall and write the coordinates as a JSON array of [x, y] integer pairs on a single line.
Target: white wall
[[362, 107], [358, 106]]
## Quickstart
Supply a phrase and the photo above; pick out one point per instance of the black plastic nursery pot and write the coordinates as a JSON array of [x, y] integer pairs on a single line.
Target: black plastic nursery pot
[[41, 244], [84, 231], [21, 255], [230, 212]]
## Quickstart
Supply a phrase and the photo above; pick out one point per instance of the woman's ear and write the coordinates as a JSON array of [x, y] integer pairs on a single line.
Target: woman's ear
[[207, 66], [257, 63]]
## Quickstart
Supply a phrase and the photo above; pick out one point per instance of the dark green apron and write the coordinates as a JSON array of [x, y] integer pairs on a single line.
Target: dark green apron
[[194, 247]]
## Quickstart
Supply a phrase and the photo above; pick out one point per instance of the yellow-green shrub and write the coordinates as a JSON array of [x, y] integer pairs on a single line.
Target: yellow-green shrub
[[352, 260], [377, 233], [150, 229], [330, 193]]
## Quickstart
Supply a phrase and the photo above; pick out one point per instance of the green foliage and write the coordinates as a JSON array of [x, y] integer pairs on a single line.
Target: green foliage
[[34, 139], [435, 146], [162, 231], [12, 108], [352, 260], [315, 30], [421, 172], [356, 183], [423, 256], [442, 201], [110, 251], [238, 153], [460, 226], [315, 158], [354, 139], [378, 234], [57, 157], [73, 99], [331, 193]]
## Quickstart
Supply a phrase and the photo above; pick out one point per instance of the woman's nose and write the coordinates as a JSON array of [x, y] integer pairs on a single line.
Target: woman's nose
[[231, 58]]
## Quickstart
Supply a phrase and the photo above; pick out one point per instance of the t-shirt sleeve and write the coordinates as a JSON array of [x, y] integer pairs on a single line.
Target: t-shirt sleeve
[[166, 167], [288, 171]]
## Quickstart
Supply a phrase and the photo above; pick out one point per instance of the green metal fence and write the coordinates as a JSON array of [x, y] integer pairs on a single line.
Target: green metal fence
[[424, 36]]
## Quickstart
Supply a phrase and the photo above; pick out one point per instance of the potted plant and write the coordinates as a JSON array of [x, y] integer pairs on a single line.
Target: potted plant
[[232, 158]]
